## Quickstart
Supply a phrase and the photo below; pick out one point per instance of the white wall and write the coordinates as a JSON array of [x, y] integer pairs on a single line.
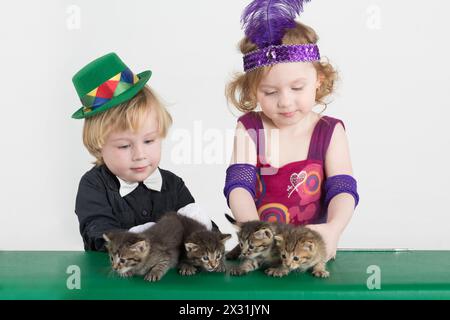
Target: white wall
[[393, 61]]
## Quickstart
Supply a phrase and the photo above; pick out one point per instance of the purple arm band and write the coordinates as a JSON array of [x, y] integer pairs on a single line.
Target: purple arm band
[[240, 175], [340, 184]]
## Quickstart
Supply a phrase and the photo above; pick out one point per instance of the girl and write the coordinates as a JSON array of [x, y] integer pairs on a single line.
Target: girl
[[290, 164]]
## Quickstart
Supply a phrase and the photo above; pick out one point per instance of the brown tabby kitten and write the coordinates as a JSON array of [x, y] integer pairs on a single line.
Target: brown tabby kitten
[[202, 248], [300, 249], [205, 250], [150, 253], [257, 245]]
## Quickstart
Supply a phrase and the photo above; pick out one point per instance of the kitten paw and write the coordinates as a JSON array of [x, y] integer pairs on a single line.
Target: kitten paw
[[236, 271], [321, 273], [126, 274], [153, 276], [187, 270], [276, 272]]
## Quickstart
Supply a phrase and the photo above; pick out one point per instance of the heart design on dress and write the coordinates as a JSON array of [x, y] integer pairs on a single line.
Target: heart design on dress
[[296, 180]]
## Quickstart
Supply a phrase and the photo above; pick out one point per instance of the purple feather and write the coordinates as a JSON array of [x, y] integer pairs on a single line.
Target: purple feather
[[265, 21]]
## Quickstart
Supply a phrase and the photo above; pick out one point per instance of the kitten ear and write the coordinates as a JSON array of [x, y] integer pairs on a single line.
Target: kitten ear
[[140, 246], [264, 233], [279, 239], [309, 245], [230, 218], [234, 223], [224, 237], [190, 246]]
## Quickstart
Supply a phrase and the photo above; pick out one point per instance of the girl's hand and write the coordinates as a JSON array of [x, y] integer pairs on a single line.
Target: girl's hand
[[330, 235]]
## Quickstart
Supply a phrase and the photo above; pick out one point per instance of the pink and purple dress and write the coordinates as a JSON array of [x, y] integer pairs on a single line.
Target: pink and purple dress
[[293, 193]]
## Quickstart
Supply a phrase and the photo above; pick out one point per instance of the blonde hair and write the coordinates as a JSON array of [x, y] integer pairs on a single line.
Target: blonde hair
[[126, 116], [241, 91]]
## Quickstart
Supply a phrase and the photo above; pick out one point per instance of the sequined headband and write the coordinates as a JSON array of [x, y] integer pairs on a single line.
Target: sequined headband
[[108, 90], [281, 53]]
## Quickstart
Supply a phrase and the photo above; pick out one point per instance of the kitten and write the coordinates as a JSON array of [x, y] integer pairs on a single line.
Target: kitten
[[301, 249], [257, 245], [205, 250], [150, 253], [201, 248]]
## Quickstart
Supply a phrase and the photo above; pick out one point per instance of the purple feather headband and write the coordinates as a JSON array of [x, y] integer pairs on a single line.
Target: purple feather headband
[[265, 23]]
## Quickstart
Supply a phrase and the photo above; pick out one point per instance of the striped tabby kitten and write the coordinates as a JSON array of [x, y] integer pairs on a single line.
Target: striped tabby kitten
[[301, 249], [201, 248], [257, 245], [205, 250], [150, 253]]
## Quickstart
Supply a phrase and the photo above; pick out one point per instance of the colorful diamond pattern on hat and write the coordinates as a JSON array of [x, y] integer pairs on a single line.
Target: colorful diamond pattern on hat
[[116, 85]]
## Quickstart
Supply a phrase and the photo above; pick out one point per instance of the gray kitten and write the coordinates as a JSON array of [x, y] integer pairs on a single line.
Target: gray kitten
[[202, 249], [205, 250], [150, 253]]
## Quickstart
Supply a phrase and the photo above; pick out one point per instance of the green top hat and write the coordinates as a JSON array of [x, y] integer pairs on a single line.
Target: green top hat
[[104, 83]]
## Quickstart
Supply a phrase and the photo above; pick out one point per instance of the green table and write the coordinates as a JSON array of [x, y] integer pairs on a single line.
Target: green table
[[354, 275]]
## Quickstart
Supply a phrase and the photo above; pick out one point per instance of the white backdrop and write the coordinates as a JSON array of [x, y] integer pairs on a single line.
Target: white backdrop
[[393, 61]]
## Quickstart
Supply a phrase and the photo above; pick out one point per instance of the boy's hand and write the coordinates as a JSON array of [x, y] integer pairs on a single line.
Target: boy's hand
[[330, 235], [141, 228], [194, 211]]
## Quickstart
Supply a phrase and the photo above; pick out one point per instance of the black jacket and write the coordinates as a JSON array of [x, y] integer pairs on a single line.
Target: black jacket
[[100, 207]]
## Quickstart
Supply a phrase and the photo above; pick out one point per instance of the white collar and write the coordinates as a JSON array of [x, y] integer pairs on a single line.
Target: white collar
[[153, 182]]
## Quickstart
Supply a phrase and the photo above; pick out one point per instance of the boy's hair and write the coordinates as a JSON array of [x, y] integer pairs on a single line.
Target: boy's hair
[[126, 116], [241, 91]]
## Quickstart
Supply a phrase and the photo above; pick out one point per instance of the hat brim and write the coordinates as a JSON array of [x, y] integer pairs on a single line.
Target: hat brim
[[125, 96]]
